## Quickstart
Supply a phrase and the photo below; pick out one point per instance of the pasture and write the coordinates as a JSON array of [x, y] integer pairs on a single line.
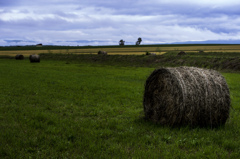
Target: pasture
[[90, 106]]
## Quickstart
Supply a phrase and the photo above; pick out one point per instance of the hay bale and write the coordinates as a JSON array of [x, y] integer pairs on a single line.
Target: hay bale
[[186, 96], [34, 58], [182, 53], [102, 53], [19, 57]]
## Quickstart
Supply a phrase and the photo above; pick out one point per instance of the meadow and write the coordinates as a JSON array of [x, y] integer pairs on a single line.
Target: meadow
[[89, 106]]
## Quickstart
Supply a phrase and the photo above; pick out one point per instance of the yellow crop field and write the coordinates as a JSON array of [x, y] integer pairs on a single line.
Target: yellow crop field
[[130, 50]]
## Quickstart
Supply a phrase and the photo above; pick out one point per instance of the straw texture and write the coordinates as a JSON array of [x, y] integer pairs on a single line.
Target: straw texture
[[186, 96]]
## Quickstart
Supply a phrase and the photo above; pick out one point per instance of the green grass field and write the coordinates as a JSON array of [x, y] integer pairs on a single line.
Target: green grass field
[[77, 109]]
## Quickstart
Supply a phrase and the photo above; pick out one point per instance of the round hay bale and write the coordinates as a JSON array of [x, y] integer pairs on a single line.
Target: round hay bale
[[102, 53], [34, 58], [184, 96], [19, 57], [182, 53]]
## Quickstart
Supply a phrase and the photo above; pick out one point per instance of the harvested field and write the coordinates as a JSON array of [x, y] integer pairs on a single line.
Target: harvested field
[[73, 51], [128, 50]]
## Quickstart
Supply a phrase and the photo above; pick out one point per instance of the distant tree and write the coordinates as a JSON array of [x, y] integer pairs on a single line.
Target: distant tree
[[121, 42], [139, 41]]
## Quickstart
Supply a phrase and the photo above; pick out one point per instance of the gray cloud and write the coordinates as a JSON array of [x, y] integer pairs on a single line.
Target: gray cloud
[[106, 22], [18, 41]]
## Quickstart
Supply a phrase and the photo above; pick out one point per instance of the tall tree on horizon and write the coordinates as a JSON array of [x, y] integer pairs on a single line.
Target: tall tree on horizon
[[139, 41], [121, 42]]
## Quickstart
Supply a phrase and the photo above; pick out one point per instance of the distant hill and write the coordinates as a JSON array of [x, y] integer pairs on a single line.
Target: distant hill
[[210, 42]]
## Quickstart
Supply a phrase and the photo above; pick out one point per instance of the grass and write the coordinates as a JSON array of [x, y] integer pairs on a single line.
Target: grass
[[89, 110]]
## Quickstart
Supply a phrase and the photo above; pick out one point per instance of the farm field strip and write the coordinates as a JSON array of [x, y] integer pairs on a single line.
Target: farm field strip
[[27, 53], [128, 53], [130, 50]]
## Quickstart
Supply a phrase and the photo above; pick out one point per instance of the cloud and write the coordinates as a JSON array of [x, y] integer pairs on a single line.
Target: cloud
[[18, 41], [106, 22]]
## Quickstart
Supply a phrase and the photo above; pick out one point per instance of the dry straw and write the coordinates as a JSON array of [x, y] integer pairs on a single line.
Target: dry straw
[[186, 96]]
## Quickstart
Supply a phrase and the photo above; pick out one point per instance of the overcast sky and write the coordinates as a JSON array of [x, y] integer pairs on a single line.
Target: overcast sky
[[105, 22]]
